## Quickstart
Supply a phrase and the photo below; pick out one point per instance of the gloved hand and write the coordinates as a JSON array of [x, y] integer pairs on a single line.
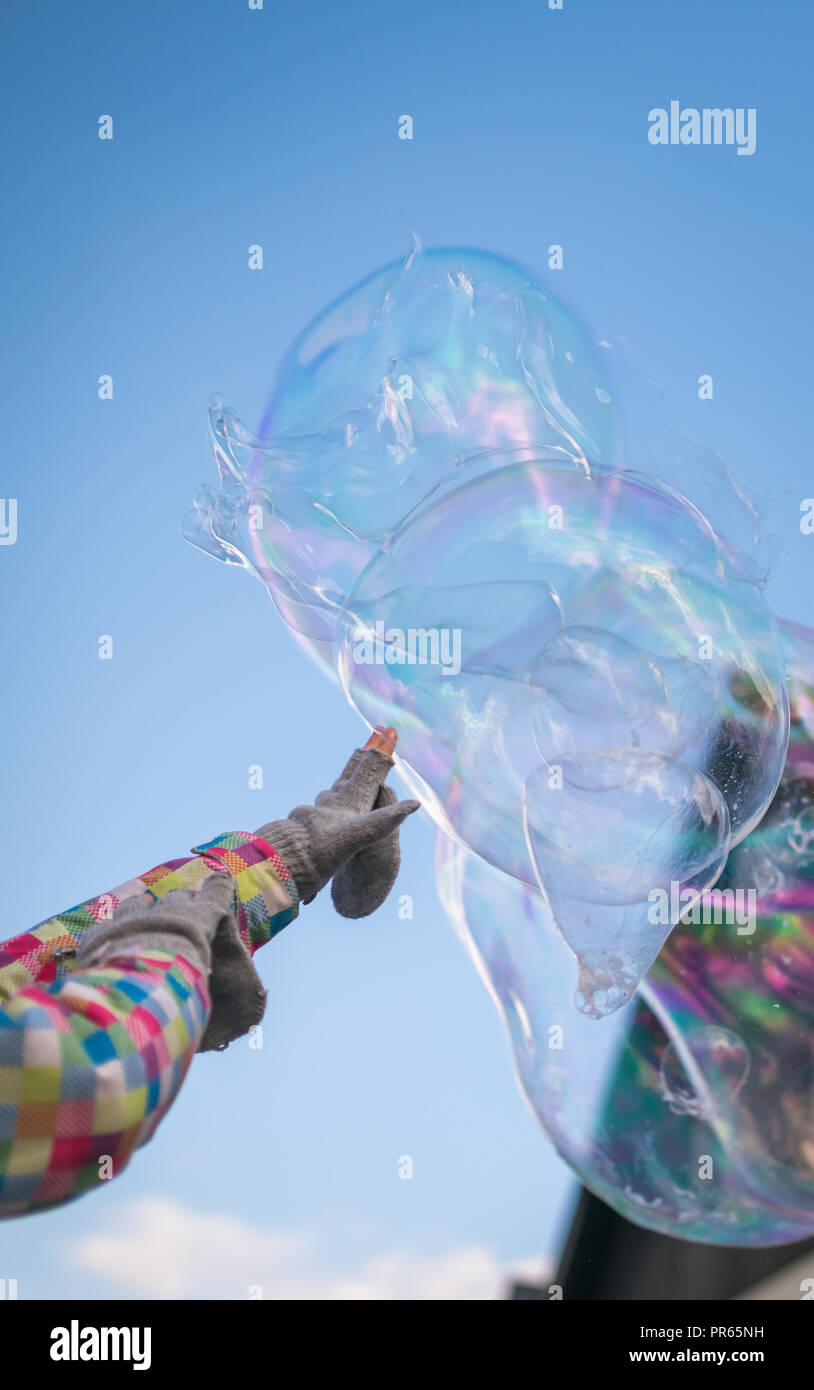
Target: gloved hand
[[198, 924], [351, 827], [350, 834], [365, 881], [183, 922]]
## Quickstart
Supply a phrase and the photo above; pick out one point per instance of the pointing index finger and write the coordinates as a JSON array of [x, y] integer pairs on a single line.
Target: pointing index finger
[[383, 740]]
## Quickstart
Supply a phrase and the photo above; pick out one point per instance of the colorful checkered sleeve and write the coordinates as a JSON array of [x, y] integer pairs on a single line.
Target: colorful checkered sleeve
[[91, 1060], [265, 896], [88, 1067]]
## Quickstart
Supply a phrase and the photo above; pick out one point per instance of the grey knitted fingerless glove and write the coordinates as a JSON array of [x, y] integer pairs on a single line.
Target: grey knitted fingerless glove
[[342, 828], [183, 922]]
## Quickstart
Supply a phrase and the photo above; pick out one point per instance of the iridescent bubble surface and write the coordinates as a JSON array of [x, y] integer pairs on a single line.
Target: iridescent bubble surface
[[691, 1109], [615, 717], [431, 369], [564, 619]]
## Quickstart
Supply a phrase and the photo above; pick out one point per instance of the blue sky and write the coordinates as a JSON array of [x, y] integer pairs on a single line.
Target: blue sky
[[279, 126]]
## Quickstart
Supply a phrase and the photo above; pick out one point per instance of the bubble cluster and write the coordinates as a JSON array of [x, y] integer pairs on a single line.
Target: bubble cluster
[[691, 1109], [566, 626], [615, 719]]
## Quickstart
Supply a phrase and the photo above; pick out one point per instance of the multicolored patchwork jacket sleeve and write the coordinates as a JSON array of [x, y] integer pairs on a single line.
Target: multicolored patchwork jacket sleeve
[[91, 1060]]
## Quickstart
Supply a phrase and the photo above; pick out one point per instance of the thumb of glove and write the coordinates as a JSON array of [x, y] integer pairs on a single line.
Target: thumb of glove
[[376, 825]]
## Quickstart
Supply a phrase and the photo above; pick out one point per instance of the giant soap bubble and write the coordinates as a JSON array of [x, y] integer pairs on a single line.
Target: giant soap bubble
[[566, 625]]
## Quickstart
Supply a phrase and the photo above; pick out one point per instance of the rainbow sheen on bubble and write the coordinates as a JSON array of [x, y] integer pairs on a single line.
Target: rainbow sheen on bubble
[[616, 715], [431, 369], [691, 1109], [565, 620]]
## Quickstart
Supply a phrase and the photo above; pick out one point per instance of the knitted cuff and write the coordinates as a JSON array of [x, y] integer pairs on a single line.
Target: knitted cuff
[[291, 843]]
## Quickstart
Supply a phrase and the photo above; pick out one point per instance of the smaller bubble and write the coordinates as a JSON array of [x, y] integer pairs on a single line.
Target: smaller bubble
[[716, 1069], [607, 847]]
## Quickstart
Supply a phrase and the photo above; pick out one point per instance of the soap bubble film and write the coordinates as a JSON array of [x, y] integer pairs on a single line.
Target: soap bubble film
[[560, 606], [691, 1109]]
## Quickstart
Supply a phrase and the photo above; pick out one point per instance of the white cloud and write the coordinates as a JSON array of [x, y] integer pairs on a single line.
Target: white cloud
[[159, 1248]]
